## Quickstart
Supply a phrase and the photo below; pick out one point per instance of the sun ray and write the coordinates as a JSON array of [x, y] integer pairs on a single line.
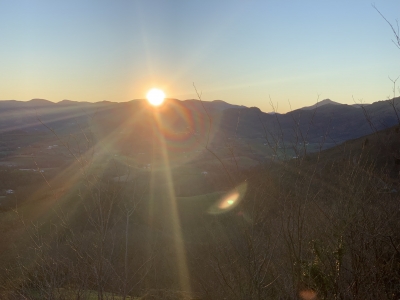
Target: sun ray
[[174, 217]]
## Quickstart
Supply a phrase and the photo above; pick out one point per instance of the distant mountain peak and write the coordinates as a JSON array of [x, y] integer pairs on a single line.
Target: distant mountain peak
[[40, 102], [328, 101], [321, 103]]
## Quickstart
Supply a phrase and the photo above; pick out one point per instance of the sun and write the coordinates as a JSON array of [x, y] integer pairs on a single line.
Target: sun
[[155, 97]]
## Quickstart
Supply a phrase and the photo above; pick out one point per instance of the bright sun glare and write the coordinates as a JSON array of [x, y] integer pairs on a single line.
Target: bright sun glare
[[155, 97]]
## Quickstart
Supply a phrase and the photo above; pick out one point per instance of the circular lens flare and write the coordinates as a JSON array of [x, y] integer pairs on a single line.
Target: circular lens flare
[[155, 97], [229, 201]]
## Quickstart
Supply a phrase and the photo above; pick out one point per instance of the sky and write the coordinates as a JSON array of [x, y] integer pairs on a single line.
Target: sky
[[252, 53]]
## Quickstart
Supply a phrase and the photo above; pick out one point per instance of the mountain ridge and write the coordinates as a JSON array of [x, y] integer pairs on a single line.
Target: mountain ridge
[[340, 121], [214, 104]]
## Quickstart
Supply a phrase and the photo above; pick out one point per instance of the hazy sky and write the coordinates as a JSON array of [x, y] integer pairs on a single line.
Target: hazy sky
[[242, 52]]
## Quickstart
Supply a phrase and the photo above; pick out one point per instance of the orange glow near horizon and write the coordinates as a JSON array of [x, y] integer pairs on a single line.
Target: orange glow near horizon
[[155, 97]]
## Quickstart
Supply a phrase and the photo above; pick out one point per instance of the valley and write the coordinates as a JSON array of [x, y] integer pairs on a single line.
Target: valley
[[184, 192]]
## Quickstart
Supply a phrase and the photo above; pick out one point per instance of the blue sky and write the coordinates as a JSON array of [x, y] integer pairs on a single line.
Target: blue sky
[[242, 52]]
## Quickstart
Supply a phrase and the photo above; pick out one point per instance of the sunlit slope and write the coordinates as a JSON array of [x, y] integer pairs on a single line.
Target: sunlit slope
[[380, 151]]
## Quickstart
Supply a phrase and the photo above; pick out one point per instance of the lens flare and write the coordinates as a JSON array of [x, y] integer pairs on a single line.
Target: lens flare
[[183, 130], [308, 294], [229, 201]]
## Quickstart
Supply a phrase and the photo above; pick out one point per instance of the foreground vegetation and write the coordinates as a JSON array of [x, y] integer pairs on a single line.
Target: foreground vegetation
[[320, 226]]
